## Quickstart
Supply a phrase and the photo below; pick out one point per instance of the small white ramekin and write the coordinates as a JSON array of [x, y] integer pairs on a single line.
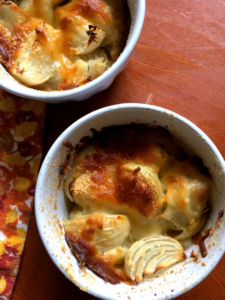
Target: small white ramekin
[[51, 206], [8, 83]]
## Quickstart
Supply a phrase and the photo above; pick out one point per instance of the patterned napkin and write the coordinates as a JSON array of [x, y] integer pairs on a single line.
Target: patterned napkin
[[21, 137]]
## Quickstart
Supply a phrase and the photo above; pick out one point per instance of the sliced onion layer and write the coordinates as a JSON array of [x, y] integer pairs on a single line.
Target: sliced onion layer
[[149, 255], [110, 231]]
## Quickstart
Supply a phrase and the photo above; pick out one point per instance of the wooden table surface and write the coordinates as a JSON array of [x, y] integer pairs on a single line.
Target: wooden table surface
[[179, 64]]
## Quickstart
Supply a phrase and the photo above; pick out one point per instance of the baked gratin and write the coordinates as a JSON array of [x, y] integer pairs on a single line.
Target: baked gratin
[[59, 45], [137, 197]]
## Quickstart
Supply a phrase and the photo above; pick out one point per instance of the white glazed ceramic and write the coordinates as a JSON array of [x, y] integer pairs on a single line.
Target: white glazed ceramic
[[8, 83], [51, 207]]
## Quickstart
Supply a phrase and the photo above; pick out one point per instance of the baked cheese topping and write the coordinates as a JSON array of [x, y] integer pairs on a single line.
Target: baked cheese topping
[[50, 45], [134, 189]]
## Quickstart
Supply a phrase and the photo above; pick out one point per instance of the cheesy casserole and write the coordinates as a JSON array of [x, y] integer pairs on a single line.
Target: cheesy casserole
[[137, 196], [59, 45]]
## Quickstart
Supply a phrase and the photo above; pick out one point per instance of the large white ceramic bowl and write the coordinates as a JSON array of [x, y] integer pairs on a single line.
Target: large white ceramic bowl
[[8, 83], [51, 206]]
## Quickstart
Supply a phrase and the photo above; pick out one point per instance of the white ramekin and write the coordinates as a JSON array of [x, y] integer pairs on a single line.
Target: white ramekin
[[51, 207], [8, 83]]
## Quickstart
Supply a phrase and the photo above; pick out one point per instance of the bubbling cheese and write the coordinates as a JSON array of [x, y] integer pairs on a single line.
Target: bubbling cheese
[[49, 45], [138, 179]]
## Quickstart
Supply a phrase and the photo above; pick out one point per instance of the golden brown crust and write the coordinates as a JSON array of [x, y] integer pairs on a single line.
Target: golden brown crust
[[90, 9], [131, 190], [85, 254], [82, 244], [108, 165]]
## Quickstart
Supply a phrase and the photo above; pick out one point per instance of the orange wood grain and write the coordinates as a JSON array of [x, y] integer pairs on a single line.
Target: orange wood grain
[[179, 64]]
